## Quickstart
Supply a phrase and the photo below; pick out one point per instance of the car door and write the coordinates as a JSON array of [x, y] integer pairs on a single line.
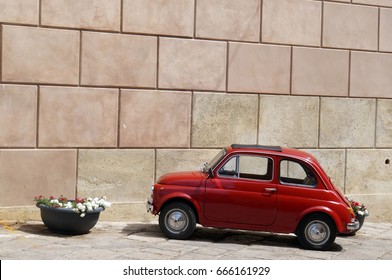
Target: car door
[[242, 191], [299, 189]]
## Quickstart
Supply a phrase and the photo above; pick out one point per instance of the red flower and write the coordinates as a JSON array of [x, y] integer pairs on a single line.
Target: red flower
[[355, 203]]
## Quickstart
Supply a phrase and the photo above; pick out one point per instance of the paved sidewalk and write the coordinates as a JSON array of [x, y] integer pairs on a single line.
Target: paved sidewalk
[[144, 241]]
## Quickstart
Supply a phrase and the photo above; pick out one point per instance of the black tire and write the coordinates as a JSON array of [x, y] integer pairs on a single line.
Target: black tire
[[316, 232], [177, 220]]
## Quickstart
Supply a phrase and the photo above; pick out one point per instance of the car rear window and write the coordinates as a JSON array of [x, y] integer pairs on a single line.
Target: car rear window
[[294, 173]]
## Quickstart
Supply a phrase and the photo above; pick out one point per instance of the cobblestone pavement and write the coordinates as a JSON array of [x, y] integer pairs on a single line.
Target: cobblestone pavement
[[144, 241]]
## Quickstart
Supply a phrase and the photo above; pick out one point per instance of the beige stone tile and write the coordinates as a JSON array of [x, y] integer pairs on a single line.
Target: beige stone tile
[[19, 11], [39, 55], [25, 174], [320, 72], [387, 3], [347, 122], [120, 175], [167, 17], [384, 124], [259, 68], [155, 119], [350, 26], [21, 213], [118, 60], [129, 212], [175, 160], [386, 29], [368, 172], [370, 74], [192, 64], [78, 117], [223, 119], [295, 124], [18, 116], [333, 162], [87, 14], [228, 19], [292, 22]]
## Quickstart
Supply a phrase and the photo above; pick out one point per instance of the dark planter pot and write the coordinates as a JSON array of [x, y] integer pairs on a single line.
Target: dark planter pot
[[361, 220], [66, 221]]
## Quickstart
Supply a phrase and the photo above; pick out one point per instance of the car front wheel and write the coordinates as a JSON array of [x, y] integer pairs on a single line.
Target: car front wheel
[[177, 221], [316, 232]]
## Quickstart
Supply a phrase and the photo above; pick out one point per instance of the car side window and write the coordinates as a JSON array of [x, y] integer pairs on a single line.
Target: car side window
[[230, 168], [295, 173], [248, 167]]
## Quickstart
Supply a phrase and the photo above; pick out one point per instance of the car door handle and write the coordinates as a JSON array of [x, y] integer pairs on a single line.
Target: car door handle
[[270, 189]]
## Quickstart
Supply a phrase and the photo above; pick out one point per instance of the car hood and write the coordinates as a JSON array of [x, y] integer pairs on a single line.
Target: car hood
[[186, 178]]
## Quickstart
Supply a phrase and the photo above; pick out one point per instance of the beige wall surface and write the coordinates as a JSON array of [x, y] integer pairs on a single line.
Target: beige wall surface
[[103, 97]]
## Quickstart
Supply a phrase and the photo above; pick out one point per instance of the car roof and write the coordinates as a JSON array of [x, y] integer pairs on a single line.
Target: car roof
[[274, 150]]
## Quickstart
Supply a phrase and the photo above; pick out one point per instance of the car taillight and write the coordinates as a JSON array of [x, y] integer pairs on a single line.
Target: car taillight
[[351, 212]]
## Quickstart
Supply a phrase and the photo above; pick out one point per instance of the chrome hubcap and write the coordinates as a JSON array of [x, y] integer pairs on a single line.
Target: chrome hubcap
[[317, 232], [176, 221]]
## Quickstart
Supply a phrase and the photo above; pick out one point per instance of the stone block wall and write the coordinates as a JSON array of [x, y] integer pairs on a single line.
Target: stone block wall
[[102, 97]]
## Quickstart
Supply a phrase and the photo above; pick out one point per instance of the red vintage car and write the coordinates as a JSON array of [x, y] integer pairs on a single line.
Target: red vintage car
[[252, 187]]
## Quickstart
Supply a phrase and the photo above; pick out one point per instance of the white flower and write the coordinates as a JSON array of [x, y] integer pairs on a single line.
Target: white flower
[[68, 205], [89, 206], [363, 213], [106, 204], [81, 207], [82, 215]]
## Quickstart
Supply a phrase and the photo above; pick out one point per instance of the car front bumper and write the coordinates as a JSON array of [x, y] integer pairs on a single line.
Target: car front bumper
[[353, 226]]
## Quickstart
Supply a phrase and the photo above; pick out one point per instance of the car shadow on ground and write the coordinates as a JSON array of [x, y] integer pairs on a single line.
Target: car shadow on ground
[[214, 235]]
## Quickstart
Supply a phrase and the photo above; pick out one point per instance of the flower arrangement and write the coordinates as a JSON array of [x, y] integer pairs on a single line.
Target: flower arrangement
[[359, 208], [79, 205]]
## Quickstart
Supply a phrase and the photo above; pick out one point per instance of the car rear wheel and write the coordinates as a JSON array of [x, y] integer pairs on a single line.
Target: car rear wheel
[[316, 232], [177, 221]]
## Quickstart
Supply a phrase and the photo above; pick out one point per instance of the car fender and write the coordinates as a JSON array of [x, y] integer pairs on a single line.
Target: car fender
[[326, 210], [178, 196]]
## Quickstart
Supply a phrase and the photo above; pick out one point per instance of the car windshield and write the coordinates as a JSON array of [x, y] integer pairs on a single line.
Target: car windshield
[[214, 161]]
